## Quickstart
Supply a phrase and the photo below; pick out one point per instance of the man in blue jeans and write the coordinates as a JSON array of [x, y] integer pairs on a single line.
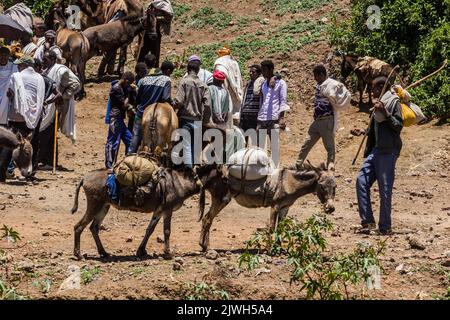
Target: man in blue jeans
[[382, 150], [119, 97]]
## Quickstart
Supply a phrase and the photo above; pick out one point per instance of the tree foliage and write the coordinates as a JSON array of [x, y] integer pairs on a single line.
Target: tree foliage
[[413, 34]]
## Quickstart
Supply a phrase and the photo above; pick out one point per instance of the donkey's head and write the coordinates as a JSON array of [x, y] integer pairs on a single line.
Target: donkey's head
[[348, 65], [326, 185], [23, 154]]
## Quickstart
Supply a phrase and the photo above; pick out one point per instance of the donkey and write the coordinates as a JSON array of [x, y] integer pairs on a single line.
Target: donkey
[[165, 196], [290, 185], [366, 69], [22, 151], [107, 38], [159, 122]]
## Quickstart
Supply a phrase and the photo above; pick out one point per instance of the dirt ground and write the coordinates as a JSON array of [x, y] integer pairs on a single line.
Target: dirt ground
[[41, 213]]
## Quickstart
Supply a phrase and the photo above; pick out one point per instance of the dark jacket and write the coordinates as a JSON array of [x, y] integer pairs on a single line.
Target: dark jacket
[[386, 135]]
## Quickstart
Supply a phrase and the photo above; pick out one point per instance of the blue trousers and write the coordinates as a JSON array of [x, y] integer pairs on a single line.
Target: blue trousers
[[378, 167], [117, 131], [137, 133]]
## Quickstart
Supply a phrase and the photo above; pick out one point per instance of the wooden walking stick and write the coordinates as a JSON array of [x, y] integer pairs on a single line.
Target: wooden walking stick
[[55, 141], [371, 117]]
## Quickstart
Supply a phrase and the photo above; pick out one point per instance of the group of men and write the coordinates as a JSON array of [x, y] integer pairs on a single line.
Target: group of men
[[213, 100], [32, 90]]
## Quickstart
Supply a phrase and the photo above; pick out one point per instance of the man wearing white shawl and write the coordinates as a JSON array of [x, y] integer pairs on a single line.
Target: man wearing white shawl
[[28, 90], [68, 85], [226, 64], [7, 68]]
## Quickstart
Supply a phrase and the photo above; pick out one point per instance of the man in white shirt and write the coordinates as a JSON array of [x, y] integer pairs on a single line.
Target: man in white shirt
[[7, 68], [49, 46]]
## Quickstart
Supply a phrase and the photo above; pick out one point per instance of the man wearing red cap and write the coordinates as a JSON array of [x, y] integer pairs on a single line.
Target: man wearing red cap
[[220, 102]]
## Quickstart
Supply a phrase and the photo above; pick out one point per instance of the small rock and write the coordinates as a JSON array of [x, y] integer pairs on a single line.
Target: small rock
[[262, 270], [401, 268], [324, 20], [42, 198], [416, 243], [446, 263], [348, 180], [176, 266], [350, 204], [179, 41], [231, 23], [266, 21], [159, 239], [45, 234], [129, 239], [26, 266], [179, 260], [212, 255]]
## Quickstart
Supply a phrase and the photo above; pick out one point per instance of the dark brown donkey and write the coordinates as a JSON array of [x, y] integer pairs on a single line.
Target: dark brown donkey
[[290, 185], [164, 197], [22, 151], [107, 38]]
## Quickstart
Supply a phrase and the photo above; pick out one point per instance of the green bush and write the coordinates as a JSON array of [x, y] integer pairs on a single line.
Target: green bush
[[40, 8], [321, 274], [412, 34]]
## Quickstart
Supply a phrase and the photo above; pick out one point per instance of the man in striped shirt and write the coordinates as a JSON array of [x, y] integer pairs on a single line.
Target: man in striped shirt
[[323, 125], [252, 98]]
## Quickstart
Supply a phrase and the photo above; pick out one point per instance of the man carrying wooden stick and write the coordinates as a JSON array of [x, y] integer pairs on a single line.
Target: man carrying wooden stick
[[382, 150]]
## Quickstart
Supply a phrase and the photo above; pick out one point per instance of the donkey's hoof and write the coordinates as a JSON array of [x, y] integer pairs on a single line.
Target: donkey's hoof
[[78, 255], [167, 256], [141, 253], [204, 247]]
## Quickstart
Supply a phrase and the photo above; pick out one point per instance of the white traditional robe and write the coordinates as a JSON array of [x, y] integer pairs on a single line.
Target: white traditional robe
[[233, 83], [29, 91], [5, 76], [56, 73]]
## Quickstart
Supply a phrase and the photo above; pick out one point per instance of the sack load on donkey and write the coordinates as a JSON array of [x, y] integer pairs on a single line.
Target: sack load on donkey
[[252, 172], [133, 174]]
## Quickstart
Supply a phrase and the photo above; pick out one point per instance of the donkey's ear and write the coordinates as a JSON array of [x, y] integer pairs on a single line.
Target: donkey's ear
[[19, 137], [29, 137]]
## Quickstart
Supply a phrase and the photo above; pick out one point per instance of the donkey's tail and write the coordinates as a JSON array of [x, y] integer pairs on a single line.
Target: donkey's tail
[[77, 192], [202, 201]]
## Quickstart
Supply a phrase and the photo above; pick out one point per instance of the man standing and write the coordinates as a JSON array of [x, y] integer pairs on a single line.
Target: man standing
[[150, 62], [27, 92], [7, 68], [382, 150], [49, 46], [194, 103], [252, 99], [68, 85], [323, 125], [151, 89], [204, 75], [119, 98], [274, 102], [228, 65]]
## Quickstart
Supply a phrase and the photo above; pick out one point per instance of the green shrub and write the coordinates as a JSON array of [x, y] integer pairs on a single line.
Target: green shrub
[[412, 34], [208, 17], [320, 273], [40, 8], [282, 7]]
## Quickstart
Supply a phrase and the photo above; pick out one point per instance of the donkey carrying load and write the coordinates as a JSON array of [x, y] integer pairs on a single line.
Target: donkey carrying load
[[162, 195], [279, 191], [366, 69]]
